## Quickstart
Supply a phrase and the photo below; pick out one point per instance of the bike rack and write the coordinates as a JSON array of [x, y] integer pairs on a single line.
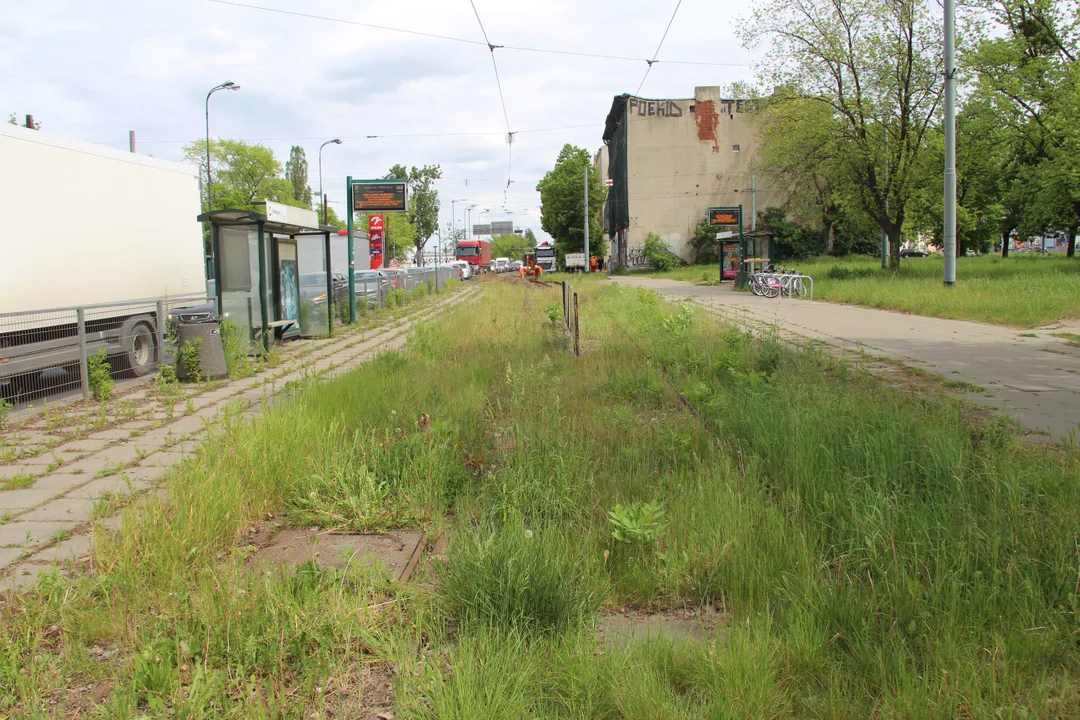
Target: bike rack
[[800, 276]]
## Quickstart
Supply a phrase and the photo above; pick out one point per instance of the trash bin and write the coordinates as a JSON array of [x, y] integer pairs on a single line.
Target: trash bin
[[211, 353]]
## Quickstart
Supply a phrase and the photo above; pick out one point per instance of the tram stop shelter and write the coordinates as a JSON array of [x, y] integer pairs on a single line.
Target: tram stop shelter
[[258, 278]]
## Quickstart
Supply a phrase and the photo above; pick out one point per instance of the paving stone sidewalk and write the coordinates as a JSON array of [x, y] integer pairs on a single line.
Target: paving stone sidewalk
[[1034, 379], [53, 518]]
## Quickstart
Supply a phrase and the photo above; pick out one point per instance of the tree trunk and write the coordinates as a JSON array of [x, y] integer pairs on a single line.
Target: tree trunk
[[961, 246], [829, 238], [894, 248], [1072, 242], [1005, 244]]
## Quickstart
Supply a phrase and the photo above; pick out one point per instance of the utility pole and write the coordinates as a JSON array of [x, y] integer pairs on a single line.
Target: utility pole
[[131, 140], [950, 143], [753, 203], [885, 235], [588, 265]]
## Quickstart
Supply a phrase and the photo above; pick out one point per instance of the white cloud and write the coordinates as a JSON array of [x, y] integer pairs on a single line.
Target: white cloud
[[96, 70]]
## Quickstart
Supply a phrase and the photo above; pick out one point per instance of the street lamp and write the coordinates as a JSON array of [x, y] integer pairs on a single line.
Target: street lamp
[[322, 198], [230, 85], [468, 216]]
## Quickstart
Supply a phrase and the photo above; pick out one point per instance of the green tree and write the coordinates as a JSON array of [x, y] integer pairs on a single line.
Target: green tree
[[424, 205], [510, 245], [562, 200], [399, 235], [1027, 72], [875, 66], [530, 238], [296, 171], [244, 174]]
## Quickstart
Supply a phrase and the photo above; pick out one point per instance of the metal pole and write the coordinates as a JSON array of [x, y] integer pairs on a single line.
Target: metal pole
[[329, 284], [753, 199], [262, 289], [131, 140], [84, 371], [349, 224], [588, 266], [322, 196], [950, 143], [160, 332], [885, 235], [577, 329]]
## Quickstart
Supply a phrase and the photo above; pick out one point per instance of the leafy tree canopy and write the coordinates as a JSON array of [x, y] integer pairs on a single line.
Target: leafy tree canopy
[[562, 198]]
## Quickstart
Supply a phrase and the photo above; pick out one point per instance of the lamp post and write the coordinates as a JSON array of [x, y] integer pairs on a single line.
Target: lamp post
[[468, 216], [453, 219], [230, 85], [322, 198]]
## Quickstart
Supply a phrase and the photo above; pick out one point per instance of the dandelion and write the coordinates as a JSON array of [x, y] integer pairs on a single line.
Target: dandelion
[[311, 494], [528, 533]]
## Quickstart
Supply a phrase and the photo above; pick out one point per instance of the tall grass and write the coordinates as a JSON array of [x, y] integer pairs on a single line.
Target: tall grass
[[872, 554]]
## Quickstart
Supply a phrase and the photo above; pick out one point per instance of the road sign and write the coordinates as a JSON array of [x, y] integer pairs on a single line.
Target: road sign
[[478, 230], [724, 235], [609, 182], [502, 227], [376, 228], [725, 216], [379, 196]]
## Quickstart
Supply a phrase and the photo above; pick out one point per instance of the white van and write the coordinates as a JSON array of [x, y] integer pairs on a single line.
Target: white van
[[502, 264]]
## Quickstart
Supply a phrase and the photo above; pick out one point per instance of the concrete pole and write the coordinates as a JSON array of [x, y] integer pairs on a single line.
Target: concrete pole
[[131, 140], [588, 266], [950, 143]]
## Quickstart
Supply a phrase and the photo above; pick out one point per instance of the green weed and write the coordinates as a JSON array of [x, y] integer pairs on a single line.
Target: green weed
[[100, 376]]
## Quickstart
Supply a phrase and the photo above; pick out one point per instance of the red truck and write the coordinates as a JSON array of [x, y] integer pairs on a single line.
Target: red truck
[[475, 252]]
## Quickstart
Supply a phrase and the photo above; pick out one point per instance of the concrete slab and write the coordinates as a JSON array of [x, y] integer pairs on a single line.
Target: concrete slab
[[61, 482], [67, 508], [186, 425], [74, 548], [620, 631], [122, 454], [18, 500], [144, 473], [20, 533], [163, 459], [85, 445], [117, 433], [9, 471], [295, 546], [23, 576], [43, 460], [90, 465], [117, 485], [10, 555]]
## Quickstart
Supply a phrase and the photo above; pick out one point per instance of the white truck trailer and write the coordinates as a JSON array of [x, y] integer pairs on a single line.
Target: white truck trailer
[[86, 225]]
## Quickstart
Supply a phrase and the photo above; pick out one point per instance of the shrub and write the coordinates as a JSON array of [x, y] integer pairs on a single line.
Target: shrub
[[99, 374], [638, 522], [189, 359], [513, 577], [659, 255]]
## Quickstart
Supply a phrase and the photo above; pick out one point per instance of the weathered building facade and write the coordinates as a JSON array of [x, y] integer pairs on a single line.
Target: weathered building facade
[[670, 160]]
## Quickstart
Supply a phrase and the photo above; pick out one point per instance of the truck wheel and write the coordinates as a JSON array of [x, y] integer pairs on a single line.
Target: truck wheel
[[140, 350]]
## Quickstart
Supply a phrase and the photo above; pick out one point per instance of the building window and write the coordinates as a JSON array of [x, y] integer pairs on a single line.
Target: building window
[[734, 148]]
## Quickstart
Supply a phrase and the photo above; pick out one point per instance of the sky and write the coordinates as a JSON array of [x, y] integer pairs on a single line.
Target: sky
[[95, 70]]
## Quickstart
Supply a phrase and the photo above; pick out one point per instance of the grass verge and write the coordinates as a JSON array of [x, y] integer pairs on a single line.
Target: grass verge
[[874, 554]]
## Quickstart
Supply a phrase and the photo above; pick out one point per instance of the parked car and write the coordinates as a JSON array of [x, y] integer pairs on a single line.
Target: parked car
[[913, 252], [463, 268], [370, 284], [313, 287], [515, 266], [394, 277]]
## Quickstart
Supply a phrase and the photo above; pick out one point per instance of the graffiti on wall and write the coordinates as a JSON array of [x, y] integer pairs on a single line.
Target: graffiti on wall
[[654, 108]]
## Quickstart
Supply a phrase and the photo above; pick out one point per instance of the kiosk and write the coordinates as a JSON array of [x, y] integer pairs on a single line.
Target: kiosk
[[256, 263]]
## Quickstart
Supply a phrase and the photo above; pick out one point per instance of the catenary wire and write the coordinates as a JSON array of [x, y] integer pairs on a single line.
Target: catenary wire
[[517, 48], [660, 45]]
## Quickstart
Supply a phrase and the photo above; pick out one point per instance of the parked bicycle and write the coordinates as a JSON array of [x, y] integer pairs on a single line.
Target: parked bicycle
[[772, 283]]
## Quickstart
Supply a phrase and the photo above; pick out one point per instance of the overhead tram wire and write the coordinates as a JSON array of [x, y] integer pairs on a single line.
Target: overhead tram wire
[[518, 48], [655, 54], [502, 99]]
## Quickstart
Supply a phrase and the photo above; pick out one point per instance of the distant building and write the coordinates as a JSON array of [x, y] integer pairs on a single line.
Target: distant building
[[668, 161]]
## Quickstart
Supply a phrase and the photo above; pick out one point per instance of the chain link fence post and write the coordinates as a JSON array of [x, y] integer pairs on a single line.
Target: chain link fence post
[[160, 354]]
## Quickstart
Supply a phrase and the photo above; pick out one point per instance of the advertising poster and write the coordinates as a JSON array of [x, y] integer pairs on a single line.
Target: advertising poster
[[730, 253], [376, 228]]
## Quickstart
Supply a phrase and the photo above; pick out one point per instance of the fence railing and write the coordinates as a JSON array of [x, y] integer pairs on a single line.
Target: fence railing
[[570, 315], [69, 350]]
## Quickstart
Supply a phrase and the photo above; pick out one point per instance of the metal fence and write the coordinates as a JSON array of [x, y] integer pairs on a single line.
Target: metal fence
[[570, 315], [374, 290], [64, 351]]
